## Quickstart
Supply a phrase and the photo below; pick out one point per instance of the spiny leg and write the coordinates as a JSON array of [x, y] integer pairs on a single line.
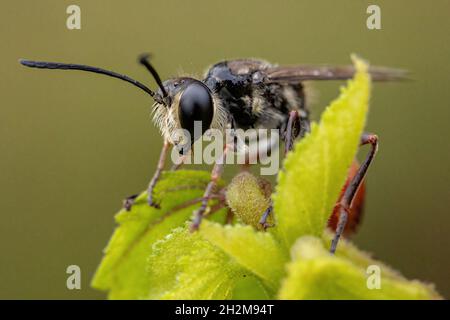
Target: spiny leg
[[129, 201], [215, 176], [157, 174], [292, 130], [229, 216], [265, 216], [356, 210], [178, 165], [353, 186]]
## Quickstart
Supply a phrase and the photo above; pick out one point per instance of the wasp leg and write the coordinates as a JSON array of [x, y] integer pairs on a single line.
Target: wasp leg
[[157, 174], [129, 201], [229, 217], [215, 176], [177, 166], [352, 188], [356, 211], [265, 216], [292, 130]]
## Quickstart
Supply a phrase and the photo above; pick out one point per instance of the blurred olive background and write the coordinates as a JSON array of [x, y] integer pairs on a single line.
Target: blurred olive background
[[73, 144]]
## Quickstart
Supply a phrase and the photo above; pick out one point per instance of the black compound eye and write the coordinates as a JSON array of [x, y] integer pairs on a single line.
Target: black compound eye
[[196, 104]]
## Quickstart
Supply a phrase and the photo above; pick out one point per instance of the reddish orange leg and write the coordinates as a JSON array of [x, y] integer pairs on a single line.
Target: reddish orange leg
[[215, 176], [356, 211], [349, 193]]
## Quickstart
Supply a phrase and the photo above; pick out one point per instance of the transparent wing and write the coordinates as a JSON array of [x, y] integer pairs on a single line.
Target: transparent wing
[[295, 74]]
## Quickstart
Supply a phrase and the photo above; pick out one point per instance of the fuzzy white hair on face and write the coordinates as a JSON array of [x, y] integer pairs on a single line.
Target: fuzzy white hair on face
[[167, 120]]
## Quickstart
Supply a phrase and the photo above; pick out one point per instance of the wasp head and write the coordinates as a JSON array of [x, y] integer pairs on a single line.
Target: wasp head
[[187, 104]]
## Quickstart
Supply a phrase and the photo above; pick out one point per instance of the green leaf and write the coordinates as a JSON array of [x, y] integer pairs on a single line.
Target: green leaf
[[316, 274], [257, 252], [349, 251], [123, 268], [250, 288], [315, 171], [185, 266]]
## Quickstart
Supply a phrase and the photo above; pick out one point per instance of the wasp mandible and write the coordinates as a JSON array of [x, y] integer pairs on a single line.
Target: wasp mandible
[[242, 94]]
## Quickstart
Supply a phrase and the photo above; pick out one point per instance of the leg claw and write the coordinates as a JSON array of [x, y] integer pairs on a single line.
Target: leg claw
[[263, 221], [265, 225], [128, 202], [153, 204]]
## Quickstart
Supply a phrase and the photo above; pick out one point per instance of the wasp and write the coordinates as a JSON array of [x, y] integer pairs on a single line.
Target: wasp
[[243, 94]]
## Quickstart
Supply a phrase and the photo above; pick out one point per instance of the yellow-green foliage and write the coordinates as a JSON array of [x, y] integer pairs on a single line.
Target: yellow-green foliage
[[249, 197], [258, 252], [152, 255], [123, 269], [315, 171], [315, 274], [184, 266]]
